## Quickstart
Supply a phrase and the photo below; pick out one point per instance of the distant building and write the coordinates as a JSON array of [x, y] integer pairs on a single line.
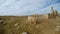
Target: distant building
[[52, 15], [32, 18]]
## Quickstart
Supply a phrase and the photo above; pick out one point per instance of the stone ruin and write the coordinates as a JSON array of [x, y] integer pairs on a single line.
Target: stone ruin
[[53, 15]]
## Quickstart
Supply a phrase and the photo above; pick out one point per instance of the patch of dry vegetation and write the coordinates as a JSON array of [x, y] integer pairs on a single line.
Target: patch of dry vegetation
[[42, 26]]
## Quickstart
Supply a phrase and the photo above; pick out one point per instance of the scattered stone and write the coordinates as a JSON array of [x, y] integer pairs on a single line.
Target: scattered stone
[[18, 27], [24, 33], [1, 21], [57, 28], [16, 24]]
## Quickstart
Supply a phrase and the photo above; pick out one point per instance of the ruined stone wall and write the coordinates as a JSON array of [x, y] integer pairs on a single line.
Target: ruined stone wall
[[31, 19]]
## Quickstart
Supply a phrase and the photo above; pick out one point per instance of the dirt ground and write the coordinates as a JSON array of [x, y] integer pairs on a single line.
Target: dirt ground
[[18, 25]]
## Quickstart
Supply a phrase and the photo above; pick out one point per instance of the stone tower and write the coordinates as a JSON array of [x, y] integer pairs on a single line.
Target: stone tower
[[56, 13], [53, 13], [52, 10]]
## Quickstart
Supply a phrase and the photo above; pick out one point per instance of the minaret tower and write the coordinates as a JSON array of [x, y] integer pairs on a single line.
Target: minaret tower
[[56, 13], [52, 10]]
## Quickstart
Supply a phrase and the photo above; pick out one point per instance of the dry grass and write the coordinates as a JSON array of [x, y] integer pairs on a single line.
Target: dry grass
[[43, 26]]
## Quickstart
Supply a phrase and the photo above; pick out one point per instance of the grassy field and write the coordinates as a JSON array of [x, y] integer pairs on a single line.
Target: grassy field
[[19, 24]]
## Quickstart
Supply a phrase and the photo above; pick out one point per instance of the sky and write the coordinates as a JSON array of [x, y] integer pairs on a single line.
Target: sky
[[27, 7]]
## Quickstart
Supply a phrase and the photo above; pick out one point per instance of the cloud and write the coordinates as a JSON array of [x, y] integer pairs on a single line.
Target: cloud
[[23, 7], [48, 9], [2, 1]]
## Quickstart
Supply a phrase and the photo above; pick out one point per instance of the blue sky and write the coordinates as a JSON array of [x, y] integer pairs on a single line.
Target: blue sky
[[27, 7]]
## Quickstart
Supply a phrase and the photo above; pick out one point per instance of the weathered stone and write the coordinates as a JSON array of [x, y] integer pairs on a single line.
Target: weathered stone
[[16, 24], [57, 28], [1, 21], [24, 33]]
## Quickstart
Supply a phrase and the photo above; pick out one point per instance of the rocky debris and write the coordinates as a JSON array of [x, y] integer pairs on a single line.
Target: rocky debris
[[25, 33], [1, 21], [57, 28], [17, 25], [2, 30]]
